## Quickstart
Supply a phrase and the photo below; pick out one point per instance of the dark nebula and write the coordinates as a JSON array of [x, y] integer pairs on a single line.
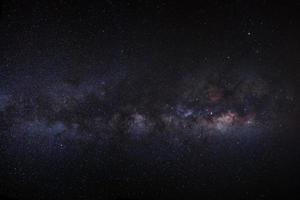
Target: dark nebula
[[149, 99]]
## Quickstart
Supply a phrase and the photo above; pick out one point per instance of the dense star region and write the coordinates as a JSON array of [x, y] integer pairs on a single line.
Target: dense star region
[[203, 103], [139, 99]]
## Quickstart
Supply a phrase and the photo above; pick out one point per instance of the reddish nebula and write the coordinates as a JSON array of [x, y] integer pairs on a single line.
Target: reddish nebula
[[227, 120], [215, 94]]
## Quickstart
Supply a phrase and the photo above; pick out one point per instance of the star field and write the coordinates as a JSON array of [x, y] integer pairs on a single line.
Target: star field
[[134, 99]]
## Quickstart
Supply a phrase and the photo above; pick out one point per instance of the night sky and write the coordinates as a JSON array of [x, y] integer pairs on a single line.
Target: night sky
[[149, 99]]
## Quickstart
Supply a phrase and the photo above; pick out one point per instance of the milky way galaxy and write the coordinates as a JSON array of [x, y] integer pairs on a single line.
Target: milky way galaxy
[[88, 109], [148, 99]]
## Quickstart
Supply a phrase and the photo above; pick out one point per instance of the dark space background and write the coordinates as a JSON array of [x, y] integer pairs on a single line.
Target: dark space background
[[149, 99]]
